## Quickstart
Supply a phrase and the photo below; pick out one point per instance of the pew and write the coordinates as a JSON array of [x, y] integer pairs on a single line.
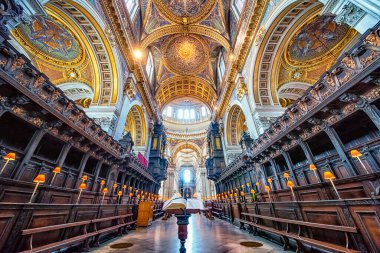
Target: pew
[[299, 238], [123, 222]]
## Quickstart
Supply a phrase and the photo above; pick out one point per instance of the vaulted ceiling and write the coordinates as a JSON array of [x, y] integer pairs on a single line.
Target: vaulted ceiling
[[185, 39]]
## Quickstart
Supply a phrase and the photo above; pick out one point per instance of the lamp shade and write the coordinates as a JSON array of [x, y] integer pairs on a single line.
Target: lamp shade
[[248, 184], [57, 170], [355, 153], [40, 178], [84, 177], [82, 186], [138, 196], [257, 184], [328, 175], [242, 186], [267, 188], [105, 190], [10, 156], [312, 166], [130, 188], [242, 193], [269, 180], [290, 183], [124, 187], [119, 193], [130, 195], [102, 182], [253, 191], [114, 185], [286, 175], [235, 194]]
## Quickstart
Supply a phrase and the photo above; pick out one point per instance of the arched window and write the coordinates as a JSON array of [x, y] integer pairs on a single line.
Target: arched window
[[186, 176], [150, 67], [132, 7]]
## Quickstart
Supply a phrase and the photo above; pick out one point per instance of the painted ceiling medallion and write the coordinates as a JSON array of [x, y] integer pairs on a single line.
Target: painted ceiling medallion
[[176, 10], [185, 54], [45, 36], [316, 39]]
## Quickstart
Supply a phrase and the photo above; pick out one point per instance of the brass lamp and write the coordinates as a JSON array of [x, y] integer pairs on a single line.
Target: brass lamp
[[114, 187], [124, 188], [119, 193], [356, 154], [313, 168], [82, 187], [56, 171], [267, 188], [270, 182], [102, 183], [286, 176], [105, 191], [328, 175], [8, 157], [40, 179], [290, 184], [84, 178]]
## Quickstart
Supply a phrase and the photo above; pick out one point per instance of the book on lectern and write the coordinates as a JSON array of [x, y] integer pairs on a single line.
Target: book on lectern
[[177, 203]]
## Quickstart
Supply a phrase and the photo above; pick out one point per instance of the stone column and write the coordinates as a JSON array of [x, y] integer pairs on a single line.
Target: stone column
[[290, 166], [81, 169], [32, 145]]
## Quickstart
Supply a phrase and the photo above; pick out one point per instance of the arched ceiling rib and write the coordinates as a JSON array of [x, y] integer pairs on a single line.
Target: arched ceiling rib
[[187, 86]]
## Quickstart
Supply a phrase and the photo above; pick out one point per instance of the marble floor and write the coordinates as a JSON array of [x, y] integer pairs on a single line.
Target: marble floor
[[204, 236]]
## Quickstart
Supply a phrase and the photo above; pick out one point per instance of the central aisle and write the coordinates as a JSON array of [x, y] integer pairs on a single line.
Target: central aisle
[[204, 236]]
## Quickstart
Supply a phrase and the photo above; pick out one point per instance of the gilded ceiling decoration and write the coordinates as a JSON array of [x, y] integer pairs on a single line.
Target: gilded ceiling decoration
[[311, 49], [177, 10], [185, 54], [136, 125], [185, 86], [50, 39], [315, 39]]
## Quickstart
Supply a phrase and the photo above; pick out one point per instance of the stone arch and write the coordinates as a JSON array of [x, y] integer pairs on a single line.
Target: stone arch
[[236, 125], [289, 17], [187, 145], [136, 124], [93, 32]]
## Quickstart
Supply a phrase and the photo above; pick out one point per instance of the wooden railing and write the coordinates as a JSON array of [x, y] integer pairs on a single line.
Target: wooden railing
[[49, 227], [349, 225]]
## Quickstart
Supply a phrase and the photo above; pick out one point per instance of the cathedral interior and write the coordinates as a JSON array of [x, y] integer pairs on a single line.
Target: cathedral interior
[[267, 112]]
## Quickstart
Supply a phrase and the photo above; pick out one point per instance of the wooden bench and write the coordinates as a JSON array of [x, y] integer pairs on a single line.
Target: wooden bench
[[254, 225], [122, 224], [217, 212]]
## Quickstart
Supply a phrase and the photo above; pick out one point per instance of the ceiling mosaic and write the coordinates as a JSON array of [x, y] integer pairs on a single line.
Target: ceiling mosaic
[[317, 38], [177, 10], [185, 54], [56, 43]]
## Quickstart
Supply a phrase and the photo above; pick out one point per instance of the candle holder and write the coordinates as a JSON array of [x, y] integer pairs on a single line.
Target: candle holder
[[356, 154], [40, 179], [8, 157], [82, 187], [328, 175]]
